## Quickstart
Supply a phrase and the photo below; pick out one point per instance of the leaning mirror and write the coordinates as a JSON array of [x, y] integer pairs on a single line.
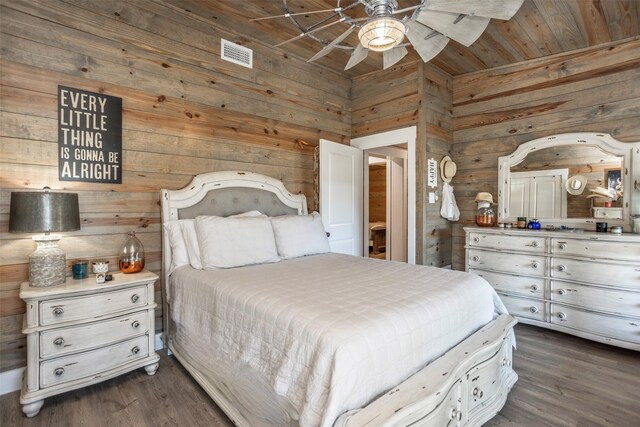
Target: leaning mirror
[[569, 179]]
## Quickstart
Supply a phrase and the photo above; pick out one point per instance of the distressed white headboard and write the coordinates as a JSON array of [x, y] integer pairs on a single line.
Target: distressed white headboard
[[223, 194]]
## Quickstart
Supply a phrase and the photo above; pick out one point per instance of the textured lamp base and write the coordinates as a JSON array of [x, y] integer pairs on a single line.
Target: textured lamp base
[[47, 265]]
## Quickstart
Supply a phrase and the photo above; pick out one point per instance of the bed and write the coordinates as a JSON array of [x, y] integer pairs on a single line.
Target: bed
[[330, 339]]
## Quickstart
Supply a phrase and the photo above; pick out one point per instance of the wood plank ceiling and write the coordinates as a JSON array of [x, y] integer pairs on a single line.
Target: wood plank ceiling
[[540, 28]]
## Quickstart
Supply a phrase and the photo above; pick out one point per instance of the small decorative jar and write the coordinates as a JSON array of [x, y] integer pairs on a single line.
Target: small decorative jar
[[522, 222], [132, 255], [534, 224]]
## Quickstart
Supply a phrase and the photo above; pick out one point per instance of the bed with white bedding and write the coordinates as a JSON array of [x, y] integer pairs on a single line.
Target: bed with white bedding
[[332, 339]]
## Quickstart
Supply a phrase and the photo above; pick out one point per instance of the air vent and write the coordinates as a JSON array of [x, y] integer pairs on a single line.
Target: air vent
[[235, 53]]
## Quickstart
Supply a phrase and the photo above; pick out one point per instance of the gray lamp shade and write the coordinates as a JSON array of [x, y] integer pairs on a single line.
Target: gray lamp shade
[[43, 212]]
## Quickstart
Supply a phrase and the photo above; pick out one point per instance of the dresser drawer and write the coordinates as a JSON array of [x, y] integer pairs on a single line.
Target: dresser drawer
[[596, 249], [595, 298], [604, 273], [524, 307], [509, 243], [482, 379], [512, 284], [626, 329], [91, 306], [90, 363], [58, 342], [532, 265]]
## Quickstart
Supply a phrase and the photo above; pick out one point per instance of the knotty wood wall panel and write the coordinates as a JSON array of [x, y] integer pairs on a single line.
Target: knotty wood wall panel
[[185, 111], [590, 90], [378, 193]]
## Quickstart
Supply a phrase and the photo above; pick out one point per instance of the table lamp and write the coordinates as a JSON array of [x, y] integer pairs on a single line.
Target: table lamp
[[45, 212]]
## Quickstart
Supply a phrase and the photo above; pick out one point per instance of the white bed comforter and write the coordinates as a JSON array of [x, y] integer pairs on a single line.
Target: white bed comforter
[[327, 333]]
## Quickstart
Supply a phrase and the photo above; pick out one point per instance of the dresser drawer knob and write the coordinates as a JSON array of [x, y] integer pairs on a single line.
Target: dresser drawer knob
[[58, 311], [535, 264], [476, 258], [135, 298], [535, 287], [562, 316], [562, 291], [562, 267], [135, 350], [533, 309], [456, 415], [476, 239], [135, 324], [58, 341], [534, 244], [58, 372], [562, 246], [477, 392]]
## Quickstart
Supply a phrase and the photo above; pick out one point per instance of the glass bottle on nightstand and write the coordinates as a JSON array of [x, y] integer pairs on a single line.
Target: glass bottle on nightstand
[[132, 255]]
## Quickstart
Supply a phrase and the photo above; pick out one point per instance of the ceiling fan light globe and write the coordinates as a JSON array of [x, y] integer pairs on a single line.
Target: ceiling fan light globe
[[382, 34]]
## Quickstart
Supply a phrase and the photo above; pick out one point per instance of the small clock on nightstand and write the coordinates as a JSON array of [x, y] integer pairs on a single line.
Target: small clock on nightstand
[[80, 333]]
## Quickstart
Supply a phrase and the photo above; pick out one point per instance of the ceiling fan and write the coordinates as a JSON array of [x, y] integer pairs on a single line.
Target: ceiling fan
[[428, 26]]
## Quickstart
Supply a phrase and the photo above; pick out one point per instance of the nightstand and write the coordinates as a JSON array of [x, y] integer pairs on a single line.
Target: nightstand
[[80, 333]]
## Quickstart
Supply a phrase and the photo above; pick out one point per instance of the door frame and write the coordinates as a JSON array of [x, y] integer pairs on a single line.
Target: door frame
[[385, 139]]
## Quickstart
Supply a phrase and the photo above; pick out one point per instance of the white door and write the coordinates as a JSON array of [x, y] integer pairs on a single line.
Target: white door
[[519, 197], [546, 197], [341, 196], [396, 210]]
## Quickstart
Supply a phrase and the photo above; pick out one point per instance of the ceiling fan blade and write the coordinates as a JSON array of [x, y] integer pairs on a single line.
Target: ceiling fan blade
[[286, 15], [328, 48], [299, 36], [358, 55], [427, 42], [390, 57], [500, 9], [462, 28]]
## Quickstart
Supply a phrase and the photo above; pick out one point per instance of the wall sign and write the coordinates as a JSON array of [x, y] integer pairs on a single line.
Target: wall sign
[[89, 136], [432, 173]]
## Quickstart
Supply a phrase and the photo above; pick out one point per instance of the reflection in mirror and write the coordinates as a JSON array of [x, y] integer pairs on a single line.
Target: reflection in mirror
[[575, 181]]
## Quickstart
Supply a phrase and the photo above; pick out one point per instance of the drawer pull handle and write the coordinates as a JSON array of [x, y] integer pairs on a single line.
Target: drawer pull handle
[[535, 264], [135, 350], [562, 267], [563, 246], [477, 392], [135, 298], [562, 316], [562, 291], [476, 258], [456, 415], [58, 311], [534, 244], [58, 372], [533, 309], [476, 239], [535, 287], [135, 324], [506, 362], [58, 341]]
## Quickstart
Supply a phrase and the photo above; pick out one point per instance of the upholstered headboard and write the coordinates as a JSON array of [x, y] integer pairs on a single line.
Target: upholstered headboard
[[223, 194]]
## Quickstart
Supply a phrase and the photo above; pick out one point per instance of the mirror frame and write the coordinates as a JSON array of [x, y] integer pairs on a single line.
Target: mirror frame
[[630, 151]]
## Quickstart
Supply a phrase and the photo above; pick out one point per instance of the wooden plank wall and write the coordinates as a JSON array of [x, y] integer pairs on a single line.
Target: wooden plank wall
[[185, 112], [414, 94], [590, 90], [378, 193]]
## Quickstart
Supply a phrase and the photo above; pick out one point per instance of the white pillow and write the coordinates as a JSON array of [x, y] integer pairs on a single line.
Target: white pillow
[[300, 235], [234, 242], [250, 214], [179, 256], [191, 242]]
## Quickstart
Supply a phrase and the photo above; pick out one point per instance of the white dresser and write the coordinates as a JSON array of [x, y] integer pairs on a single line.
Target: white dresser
[[80, 333], [586, 284]]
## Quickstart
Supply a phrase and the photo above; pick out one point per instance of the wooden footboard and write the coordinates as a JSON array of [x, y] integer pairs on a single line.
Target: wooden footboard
[[466, 386]]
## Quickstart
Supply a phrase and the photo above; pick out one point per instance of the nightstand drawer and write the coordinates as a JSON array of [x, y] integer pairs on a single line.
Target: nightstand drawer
[[58, 342], [91, 306], [91, 363]]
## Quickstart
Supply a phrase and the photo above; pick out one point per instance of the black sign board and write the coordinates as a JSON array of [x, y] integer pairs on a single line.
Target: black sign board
[[89, 136]]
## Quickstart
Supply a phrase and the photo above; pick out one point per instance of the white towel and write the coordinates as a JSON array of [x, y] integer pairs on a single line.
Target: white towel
[[449, 209]]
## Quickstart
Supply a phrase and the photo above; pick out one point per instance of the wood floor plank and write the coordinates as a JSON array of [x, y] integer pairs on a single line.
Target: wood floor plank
[[564, 381]]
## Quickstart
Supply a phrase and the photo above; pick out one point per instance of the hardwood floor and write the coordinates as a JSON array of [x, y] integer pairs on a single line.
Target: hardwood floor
[[564, 381]]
